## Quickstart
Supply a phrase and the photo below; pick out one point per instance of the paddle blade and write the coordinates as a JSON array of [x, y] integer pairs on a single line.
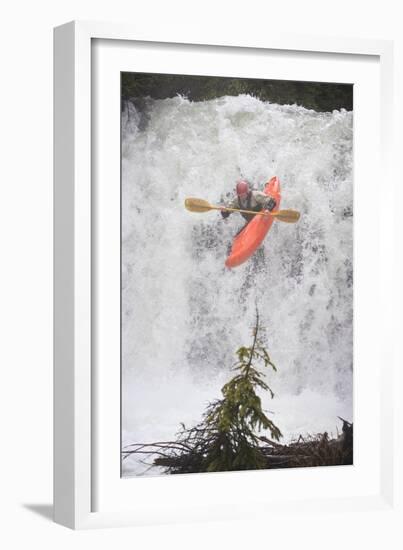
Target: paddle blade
[[288, 216], [197, 205]]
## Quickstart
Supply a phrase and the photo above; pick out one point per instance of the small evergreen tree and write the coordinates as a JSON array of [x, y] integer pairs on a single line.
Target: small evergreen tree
[[227, 437]]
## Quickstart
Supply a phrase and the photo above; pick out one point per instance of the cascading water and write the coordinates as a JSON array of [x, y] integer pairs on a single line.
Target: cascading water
[[183, 313]]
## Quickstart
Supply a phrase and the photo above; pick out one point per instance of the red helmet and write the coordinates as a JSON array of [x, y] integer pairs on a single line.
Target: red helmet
[[242, 188]]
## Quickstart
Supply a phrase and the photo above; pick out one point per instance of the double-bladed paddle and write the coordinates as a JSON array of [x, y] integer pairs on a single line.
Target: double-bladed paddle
[[200, 205]]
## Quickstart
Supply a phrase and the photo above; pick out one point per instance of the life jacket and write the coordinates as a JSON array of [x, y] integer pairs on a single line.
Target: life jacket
[[257, 208]]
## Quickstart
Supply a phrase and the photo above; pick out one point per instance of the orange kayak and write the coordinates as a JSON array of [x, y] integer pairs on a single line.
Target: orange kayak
[[250, 238]]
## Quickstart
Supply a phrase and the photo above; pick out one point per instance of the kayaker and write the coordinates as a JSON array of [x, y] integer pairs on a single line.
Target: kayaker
[[246, 199]]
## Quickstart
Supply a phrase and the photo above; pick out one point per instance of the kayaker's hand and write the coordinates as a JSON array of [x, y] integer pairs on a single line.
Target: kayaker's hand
[[271, 203], [225, 214]]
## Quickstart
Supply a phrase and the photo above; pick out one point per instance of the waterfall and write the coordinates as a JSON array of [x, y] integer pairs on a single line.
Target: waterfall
[[183, 313]]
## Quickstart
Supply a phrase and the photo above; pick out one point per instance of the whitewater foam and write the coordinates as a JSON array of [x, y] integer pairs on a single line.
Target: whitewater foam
[[183, 313]]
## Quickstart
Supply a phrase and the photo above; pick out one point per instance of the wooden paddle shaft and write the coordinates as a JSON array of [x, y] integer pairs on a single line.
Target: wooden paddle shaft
[[239, 210]]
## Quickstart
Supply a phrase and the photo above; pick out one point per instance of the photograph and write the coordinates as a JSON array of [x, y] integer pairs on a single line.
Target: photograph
[[236, 274]]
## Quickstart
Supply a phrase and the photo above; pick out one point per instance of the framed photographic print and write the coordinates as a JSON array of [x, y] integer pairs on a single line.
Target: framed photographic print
[[218, 266]]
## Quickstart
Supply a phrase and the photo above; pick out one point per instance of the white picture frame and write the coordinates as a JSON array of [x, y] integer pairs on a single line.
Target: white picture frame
[[78, 308]]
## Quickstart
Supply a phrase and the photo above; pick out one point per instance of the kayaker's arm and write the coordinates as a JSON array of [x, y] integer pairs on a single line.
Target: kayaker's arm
[[232, 204]]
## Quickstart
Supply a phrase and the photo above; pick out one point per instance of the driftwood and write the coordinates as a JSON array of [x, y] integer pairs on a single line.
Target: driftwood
[[314, 450]]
